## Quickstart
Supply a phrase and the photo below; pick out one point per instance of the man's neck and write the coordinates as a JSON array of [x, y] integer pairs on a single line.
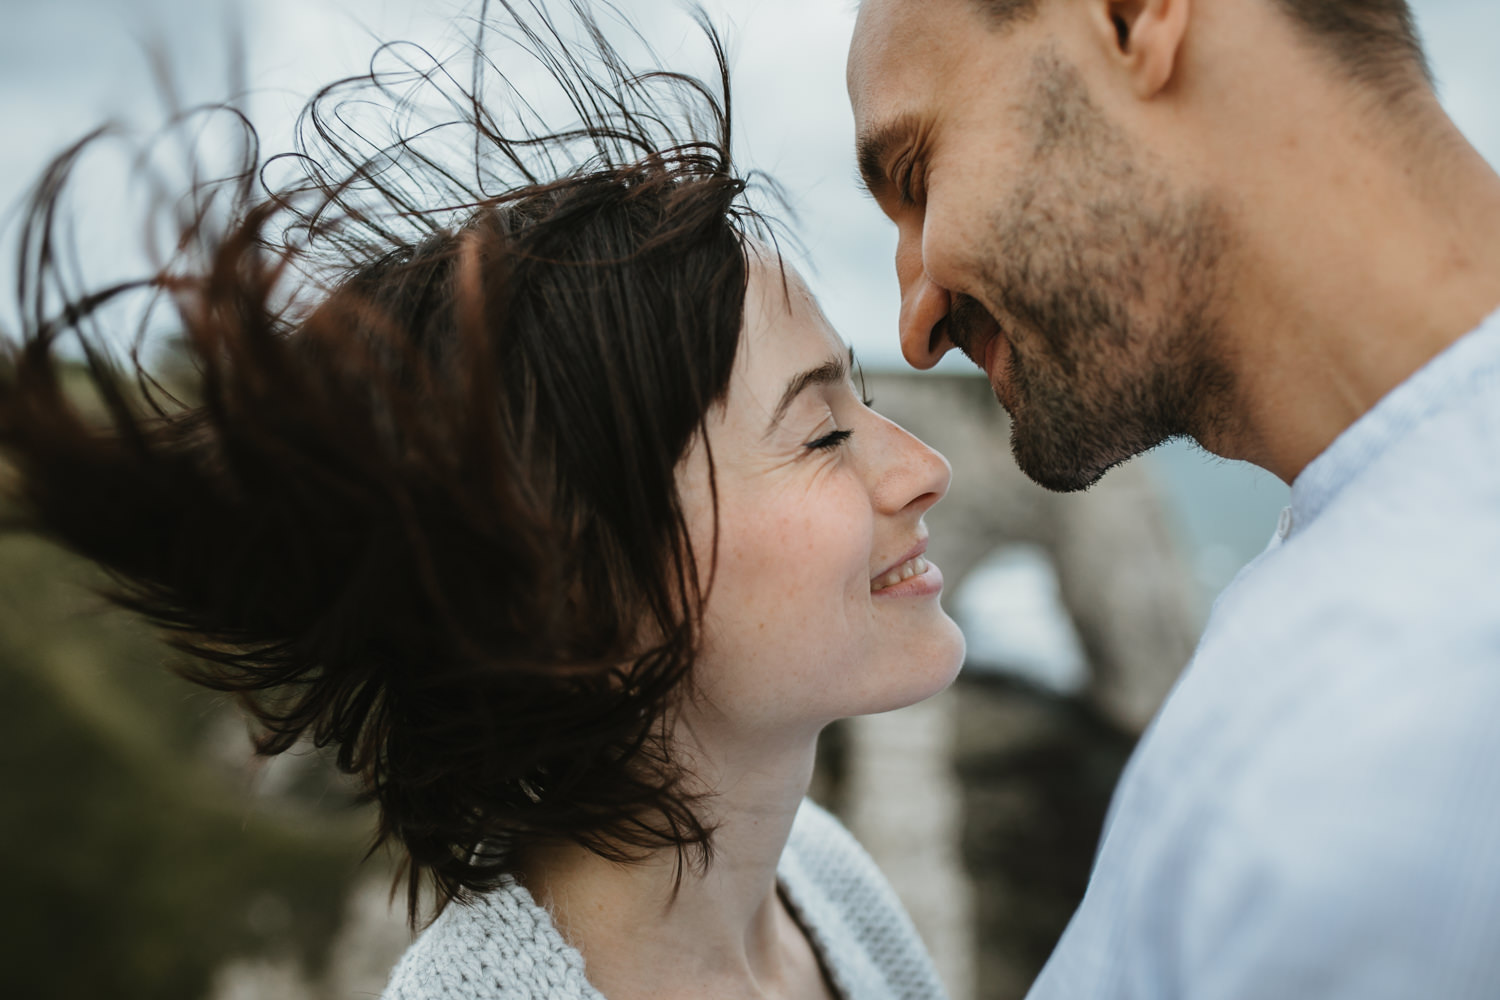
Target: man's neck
[[721, 932], [1359, 261]]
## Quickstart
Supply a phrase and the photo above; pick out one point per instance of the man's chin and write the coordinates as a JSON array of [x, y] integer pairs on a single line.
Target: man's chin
[[1054, 476], [1055, 479], [1055, 462]]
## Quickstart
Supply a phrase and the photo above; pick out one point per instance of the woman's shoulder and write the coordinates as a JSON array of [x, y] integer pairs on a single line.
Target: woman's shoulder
[[824, 847], [498, 946], [503, 946], [851, 913]]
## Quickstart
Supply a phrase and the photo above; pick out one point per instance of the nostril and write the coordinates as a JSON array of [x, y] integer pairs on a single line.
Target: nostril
[[938, 335]]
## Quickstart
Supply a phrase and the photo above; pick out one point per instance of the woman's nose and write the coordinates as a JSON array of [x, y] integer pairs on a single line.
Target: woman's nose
[[915, 475]]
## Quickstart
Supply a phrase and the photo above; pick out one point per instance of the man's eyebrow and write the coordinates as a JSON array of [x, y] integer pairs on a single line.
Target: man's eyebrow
[[830, 372], [873, 146]]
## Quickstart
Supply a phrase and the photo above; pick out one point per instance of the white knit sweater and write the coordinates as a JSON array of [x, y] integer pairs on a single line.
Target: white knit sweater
[[505, 947]]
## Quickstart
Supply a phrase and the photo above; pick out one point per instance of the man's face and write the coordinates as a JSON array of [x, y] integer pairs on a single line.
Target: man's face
[[1034, 237]]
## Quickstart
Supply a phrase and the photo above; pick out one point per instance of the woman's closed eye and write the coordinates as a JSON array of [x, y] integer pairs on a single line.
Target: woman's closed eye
[[829, 441]]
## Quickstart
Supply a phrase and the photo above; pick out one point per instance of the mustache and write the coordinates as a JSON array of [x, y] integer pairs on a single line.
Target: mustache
[[968, 326]]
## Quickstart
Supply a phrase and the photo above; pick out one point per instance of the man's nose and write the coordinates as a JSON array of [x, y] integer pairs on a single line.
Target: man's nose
[[924, 307]]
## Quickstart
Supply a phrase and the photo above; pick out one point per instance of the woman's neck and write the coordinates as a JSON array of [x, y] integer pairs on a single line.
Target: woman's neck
[[721, 933]]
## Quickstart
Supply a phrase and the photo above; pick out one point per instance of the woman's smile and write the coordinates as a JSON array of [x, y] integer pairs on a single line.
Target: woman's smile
[[912, 568], [920, 576]]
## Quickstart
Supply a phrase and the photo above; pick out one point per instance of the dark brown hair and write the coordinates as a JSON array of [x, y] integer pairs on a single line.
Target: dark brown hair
[[431, 519]]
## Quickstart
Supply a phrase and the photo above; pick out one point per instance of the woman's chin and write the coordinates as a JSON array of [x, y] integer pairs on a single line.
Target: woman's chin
[[929, 669]]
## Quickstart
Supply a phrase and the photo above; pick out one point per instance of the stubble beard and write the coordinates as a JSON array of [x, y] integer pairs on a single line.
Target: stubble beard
[[1105, 284]]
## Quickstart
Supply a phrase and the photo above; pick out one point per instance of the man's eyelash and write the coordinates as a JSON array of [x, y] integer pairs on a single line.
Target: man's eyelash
[[905, 180], [827, 441], [903, 188]]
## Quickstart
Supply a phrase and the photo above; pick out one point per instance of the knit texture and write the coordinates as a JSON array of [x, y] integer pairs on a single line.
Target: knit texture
[[503, 946]]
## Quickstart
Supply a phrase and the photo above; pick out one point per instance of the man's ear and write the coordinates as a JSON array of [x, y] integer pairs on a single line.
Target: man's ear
[[1146, 38]]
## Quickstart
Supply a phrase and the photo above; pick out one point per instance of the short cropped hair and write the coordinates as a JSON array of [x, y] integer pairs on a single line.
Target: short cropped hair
[[1376, 41]]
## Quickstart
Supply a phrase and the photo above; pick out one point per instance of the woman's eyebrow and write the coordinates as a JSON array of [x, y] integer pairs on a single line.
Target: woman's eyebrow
[[830, 372]]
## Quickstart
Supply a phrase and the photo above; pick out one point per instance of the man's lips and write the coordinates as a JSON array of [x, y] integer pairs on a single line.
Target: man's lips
[[992, 355], [973, 330]]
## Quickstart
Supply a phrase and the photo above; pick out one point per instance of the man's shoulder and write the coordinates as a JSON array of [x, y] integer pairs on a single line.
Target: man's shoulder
[[1358, 659], [1393, 571], [1347, 647], [1363, 822], [1332, 837], [1311, 813]]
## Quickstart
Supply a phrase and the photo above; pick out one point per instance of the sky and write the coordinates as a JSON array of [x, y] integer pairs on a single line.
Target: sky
[[67, 65]]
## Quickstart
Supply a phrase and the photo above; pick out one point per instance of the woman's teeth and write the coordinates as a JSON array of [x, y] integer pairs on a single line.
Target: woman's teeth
[[907, 570]]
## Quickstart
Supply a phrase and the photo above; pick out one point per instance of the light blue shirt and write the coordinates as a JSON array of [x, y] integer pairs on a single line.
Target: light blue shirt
[[1315, 812]]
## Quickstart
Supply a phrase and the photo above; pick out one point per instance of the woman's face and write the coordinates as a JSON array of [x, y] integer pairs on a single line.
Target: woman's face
[[822, 605]]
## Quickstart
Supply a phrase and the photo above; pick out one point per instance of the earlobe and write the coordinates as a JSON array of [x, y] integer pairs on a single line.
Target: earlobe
[[1148, 39]]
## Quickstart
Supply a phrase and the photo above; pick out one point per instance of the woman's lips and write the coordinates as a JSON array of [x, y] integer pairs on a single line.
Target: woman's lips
[[912, 576], [907, 570], [926, 583]]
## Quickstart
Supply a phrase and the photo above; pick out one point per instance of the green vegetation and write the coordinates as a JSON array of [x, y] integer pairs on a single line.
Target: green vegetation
[[135, 856]]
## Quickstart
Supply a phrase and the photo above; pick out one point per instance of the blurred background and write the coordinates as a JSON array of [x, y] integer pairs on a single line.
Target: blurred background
[[146, 853]]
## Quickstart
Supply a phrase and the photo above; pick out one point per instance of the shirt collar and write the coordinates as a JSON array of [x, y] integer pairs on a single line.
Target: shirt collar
[[1445, 380]]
